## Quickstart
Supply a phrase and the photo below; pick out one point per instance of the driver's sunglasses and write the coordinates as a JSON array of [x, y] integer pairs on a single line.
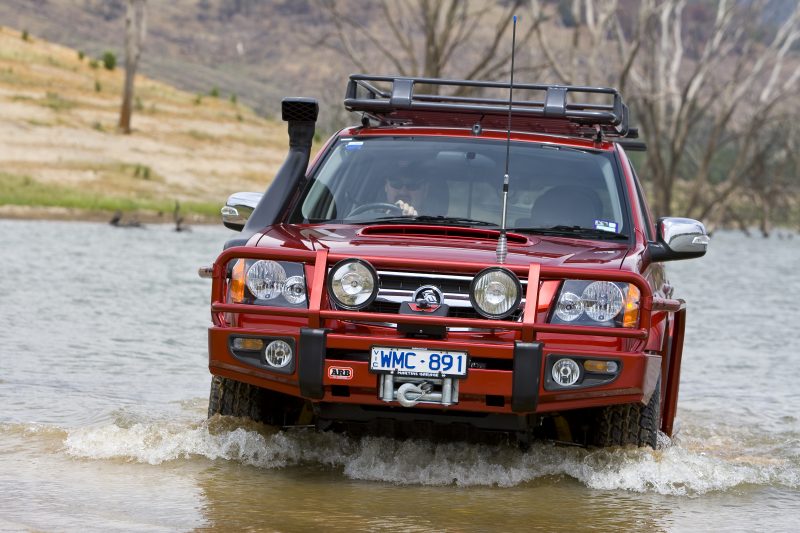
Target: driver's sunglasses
[[409, 185]]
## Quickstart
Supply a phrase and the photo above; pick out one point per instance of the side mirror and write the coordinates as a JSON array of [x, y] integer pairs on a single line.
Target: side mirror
[[679, 238], [238, 209]]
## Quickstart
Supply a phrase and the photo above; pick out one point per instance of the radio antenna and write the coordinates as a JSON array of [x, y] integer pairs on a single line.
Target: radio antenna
[[502, 242]]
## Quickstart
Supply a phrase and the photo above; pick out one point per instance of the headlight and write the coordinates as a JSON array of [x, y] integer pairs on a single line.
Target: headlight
[[267, 282], [495, 292], [294, 290], [352, 284], [602, 301], [597, 303], [266, 279]]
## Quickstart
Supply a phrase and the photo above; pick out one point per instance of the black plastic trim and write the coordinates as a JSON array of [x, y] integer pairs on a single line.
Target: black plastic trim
[[526, 376], [311, 364]]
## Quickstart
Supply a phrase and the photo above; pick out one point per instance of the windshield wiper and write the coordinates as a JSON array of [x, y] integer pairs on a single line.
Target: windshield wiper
[[425, 219], [575, 231]]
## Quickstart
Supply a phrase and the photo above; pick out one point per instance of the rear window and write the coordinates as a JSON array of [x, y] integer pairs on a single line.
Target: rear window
[[362, 178]]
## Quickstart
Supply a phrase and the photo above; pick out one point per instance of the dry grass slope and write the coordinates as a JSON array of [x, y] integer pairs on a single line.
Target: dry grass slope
[[61, 155]]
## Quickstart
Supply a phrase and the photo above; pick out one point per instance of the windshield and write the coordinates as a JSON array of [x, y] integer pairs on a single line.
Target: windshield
[[459, 182]]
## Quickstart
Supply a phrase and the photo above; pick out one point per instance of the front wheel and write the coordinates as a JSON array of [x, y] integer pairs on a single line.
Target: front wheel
[[229, 397], [620, 425]]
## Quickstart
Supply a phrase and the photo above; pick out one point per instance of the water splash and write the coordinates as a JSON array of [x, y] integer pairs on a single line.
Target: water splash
[[685, 468]]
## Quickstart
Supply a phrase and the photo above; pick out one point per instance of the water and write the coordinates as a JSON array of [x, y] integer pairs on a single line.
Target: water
[[104, 386]]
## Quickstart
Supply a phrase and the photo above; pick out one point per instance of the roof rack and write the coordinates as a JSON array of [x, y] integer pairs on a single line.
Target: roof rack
[[557, 112]]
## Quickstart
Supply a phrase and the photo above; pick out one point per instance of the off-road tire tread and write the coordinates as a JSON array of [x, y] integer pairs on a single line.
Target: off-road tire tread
[[229, 397], [233, 398], [637, 424]]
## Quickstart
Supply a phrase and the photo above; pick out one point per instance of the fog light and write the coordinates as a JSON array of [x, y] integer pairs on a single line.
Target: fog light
[[566, 372], [240, 343], [603, 367], [278, 354]]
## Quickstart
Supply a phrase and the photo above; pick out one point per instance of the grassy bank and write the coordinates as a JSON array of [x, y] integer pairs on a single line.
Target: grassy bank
[[63, 157], [24, 191]]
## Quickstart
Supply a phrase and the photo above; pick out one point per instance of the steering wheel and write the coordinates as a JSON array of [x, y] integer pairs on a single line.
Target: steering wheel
[[391, 209]]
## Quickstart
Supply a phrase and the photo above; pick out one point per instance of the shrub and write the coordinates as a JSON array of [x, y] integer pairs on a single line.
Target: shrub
[[94, 63], [81, 55], [25, 35], [214, 92], [142, 171], [56, 102], [97, 86], [233, 98], [109, 60]]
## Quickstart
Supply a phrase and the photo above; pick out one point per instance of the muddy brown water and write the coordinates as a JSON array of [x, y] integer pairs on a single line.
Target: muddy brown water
[[103, 392]]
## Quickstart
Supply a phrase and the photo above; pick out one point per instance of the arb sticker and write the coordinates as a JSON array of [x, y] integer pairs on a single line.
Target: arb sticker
[[340, 372]]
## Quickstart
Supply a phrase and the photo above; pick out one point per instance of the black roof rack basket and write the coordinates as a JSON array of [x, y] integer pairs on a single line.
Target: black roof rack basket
[[392, 100]]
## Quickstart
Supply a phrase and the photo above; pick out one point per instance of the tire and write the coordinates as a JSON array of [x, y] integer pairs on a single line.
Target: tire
[[622, 425], [229, 397]]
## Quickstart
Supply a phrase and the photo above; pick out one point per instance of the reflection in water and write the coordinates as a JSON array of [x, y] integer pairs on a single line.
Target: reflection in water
[[104, 390]]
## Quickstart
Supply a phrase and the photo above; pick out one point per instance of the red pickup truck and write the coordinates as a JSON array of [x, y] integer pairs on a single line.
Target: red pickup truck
[[435, 267]]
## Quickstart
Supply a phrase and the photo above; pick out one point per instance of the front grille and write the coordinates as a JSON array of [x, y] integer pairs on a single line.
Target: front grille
[[397, 287]]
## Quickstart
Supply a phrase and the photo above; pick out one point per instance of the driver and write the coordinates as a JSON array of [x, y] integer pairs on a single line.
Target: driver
[[406, 191]]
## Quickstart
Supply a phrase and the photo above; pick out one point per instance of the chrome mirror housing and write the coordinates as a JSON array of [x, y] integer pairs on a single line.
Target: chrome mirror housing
[[238, 209], [679, 238]]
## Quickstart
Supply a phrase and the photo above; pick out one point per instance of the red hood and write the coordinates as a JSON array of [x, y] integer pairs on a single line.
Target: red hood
[[443, 243]]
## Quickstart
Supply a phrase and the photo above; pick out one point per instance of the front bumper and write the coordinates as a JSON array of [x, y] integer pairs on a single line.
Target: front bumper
[[517, 386]]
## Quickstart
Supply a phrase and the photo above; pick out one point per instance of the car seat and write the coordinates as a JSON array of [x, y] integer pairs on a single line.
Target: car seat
[[564, 205], [437, 201]]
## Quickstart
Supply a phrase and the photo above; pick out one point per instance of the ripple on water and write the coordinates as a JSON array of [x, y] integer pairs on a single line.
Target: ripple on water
[[683, 468]]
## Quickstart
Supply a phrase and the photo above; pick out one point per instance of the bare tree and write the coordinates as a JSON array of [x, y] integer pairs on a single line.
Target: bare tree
[[135, 30], [702, 96], [427, 38]]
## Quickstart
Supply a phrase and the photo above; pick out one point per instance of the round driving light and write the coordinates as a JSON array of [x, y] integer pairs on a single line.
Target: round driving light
[[278, 354], [569, 307], [602, 300], [265, 279], [294, 290], [495, 292], [566, 372], [352, 284]]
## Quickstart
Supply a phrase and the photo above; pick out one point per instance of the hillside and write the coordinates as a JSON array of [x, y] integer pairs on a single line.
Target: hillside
[[60, 146], [258, 50]]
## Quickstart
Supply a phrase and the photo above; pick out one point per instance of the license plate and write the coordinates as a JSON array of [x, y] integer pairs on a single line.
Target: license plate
[[418, 362]]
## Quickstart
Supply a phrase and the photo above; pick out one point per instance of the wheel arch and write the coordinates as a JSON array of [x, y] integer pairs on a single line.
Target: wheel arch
[[672, 354]]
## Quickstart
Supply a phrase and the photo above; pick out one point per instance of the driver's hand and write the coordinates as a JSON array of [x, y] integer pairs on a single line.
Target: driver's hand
[[408, 209]]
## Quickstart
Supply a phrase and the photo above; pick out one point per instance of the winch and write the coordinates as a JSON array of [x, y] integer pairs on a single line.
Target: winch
[[409, 391]]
